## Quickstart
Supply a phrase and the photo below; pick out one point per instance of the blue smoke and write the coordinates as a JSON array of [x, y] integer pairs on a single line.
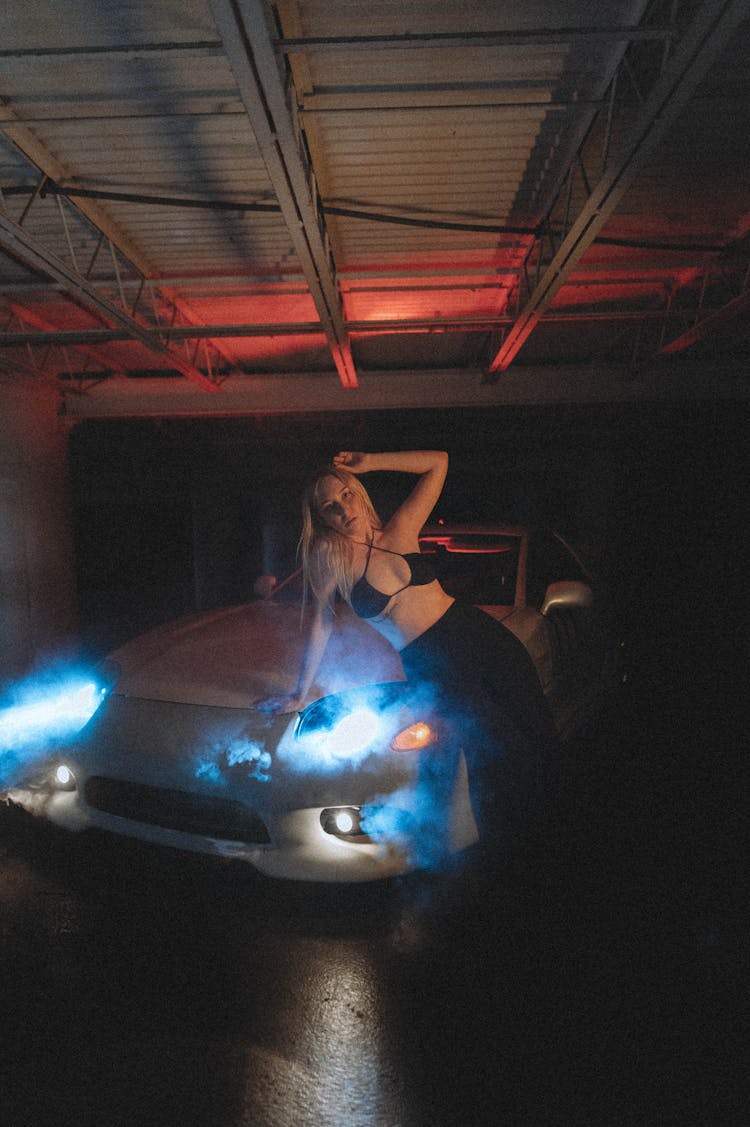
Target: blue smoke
[[353, 730], [42, 711], [338, 740], [214, 763], [344, 729], [416, 818]]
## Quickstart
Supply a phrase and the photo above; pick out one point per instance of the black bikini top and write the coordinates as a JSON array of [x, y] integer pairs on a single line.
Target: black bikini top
[[368, 602]]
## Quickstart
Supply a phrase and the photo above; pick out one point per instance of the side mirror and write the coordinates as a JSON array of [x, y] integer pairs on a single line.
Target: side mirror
[[567, 594]]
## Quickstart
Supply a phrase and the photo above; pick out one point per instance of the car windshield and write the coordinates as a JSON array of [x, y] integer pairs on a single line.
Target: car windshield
[[479, 568]]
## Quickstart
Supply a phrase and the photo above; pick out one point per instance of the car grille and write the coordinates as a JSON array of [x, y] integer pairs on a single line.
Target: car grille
[[176, 810]]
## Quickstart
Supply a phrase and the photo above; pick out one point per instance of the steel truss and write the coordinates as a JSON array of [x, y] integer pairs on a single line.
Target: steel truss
[[119, 294]]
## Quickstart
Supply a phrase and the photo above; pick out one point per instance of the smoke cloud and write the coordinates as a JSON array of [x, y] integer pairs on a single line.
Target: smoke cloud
[[215, 764]]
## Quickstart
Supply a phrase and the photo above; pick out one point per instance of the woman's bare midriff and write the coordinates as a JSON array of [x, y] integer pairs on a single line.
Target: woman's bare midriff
[[411, 612]]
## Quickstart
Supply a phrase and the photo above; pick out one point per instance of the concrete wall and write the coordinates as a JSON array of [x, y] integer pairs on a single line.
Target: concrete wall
[[37, 578]]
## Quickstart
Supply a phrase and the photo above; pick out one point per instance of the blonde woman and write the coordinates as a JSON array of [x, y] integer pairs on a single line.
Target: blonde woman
[[480, 670]]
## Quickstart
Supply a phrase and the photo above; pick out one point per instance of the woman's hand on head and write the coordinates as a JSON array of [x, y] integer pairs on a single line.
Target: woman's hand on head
[[352, 460], [275, 706]]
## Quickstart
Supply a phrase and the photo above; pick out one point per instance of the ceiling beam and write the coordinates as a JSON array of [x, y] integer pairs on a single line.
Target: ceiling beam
[[471, 39], [49, 335], [200, 46], [303, 393], [697, 49], [244, 29]]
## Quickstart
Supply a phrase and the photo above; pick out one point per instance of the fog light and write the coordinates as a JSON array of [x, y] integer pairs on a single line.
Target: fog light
[[342, 821], [63, 778]]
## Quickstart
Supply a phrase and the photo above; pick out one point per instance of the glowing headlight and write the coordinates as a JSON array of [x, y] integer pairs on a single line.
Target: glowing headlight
[[43, 714], [415, 737], [63, 778], [348, 727], [354, 733]]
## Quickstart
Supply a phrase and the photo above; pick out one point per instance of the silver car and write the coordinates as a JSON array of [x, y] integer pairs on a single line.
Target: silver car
[[173, 753]]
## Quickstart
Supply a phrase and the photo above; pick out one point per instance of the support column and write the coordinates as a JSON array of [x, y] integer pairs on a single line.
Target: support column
[[37, 575]]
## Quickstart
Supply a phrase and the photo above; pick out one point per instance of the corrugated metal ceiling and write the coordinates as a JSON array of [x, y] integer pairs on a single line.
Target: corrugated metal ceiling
[[230, 190]]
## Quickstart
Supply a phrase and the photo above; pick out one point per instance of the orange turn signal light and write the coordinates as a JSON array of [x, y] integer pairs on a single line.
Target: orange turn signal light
[[415, 737]]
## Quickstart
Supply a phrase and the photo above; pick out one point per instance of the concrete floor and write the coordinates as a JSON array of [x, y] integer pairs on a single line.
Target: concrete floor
[[593, 978]]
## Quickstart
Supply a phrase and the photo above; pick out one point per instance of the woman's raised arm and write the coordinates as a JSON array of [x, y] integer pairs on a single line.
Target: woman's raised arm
[[430, 465]]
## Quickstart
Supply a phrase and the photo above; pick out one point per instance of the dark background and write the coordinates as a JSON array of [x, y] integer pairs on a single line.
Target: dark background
[[175, 515]]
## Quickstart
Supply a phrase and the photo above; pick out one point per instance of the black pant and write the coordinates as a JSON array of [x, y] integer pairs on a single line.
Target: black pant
[[483, 681]]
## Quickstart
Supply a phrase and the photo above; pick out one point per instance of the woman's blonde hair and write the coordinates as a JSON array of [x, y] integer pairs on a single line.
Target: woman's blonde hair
[[325, 553]]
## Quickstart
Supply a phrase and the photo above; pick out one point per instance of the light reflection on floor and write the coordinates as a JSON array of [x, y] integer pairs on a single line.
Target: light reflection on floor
[[335, 1064]]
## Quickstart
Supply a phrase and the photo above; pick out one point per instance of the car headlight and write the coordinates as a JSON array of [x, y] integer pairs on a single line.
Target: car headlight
[[47, 709], [349, 724], [354, 733]]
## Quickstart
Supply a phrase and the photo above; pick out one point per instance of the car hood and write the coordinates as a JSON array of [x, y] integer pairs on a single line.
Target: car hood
[[232, 657]]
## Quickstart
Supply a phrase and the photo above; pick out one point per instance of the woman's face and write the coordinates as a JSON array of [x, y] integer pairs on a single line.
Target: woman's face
[[341, 509]]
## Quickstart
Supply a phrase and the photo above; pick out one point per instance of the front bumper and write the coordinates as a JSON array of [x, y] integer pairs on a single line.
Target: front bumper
[[294, 846]]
